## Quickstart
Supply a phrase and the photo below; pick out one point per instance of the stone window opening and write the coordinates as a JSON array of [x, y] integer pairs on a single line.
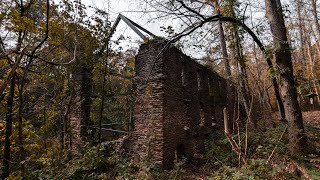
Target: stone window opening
[[180, 153], [213, 119], [201, 123], [186, 112], [183, 76], [209, 86], [195, 136], [198, 79]]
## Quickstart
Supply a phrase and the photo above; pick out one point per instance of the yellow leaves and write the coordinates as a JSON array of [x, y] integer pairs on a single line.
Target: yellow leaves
[[131, 63], [5, 76], [56, 41], [3, 62], [27, 22], [2, 124], [149, 90], [218, 9], [2, 16], [21, 24], [44, 161], [56, 33], [20, 71]]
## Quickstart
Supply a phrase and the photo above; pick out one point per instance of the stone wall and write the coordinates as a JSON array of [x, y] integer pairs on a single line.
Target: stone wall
[[179, 102], [80, 106]]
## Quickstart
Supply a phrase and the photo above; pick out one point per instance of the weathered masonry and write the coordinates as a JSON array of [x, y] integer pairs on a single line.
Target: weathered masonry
[[179, 102]]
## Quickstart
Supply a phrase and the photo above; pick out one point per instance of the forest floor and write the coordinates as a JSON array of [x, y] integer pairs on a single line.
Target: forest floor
[[279, 160], [311, 117], [267, 157]]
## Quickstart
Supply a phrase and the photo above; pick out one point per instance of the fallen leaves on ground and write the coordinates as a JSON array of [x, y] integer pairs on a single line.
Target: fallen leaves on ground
[[311, 117]]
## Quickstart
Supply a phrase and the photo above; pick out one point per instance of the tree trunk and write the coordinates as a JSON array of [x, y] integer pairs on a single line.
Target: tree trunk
[[86, 101], [297, 138], [315, 16], [238, 55], [9, 116], [311, 70], [241, 67], [20, 118], [61, 128], [301, 34], [227, 72], [22, 152], [226, 64], [315, 81]]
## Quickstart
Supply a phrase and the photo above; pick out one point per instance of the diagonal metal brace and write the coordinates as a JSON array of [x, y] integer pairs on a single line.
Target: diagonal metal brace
[[134, 26]]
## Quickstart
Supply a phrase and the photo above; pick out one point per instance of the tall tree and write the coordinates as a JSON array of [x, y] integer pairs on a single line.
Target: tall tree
[[315, 16], [226, 64], [9, 118], [20, 26], [297, 138]]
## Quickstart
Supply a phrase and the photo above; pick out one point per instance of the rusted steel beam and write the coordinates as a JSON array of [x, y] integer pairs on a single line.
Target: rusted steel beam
[[134, 26]]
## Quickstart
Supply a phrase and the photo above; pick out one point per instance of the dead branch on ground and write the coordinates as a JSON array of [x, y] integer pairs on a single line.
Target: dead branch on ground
[[234, 145]]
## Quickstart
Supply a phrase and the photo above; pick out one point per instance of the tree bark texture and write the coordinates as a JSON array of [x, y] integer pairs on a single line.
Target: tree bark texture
[[227, 73], [297, 139], [315, 16]]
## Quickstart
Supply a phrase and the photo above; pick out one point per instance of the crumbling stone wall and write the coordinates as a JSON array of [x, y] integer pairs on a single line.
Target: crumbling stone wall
[[80, 106], [179, 102]]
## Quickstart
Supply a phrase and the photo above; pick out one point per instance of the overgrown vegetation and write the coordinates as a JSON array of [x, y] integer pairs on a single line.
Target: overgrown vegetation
[[59, 69], [220, 163], [268, 155]]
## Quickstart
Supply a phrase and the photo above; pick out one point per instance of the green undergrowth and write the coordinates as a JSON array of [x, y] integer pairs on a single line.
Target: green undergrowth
[[267, 155], [221, 162], [91, 163]]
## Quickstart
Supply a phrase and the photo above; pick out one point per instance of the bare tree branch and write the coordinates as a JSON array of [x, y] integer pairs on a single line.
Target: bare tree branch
[[191, 10], [13, 71]]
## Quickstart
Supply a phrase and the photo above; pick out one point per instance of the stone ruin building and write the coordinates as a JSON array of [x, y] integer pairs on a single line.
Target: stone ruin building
[[179, 102]]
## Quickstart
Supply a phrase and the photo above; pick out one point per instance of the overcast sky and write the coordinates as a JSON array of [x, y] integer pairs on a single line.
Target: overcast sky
[[134, 10], [130, 9]]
